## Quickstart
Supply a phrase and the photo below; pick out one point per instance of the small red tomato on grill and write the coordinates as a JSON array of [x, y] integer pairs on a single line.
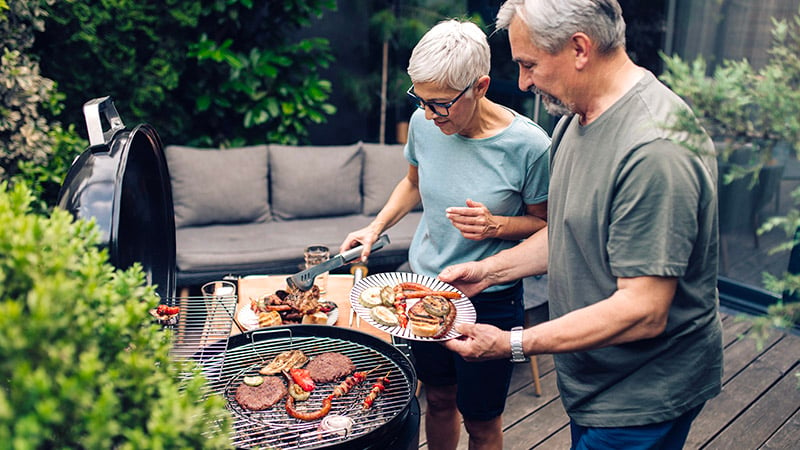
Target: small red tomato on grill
[[303, 379]]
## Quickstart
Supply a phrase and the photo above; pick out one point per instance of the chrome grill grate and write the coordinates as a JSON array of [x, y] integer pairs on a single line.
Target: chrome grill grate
[[203, 328], [274, 427]]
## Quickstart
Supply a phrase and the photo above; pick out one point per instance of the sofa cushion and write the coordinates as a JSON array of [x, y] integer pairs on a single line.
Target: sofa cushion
[[218, 186], [384, 167], [310, 181], [271, 246]]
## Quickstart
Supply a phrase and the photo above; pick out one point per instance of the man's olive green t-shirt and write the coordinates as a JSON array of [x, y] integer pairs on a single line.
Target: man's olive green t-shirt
[[626, 201]]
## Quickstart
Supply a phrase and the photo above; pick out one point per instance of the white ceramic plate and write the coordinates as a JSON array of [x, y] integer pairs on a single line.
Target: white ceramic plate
[[249, 319], [333, 316], [465, 312]]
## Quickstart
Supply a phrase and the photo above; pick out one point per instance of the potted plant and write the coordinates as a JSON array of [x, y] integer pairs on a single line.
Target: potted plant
[[750, 113]]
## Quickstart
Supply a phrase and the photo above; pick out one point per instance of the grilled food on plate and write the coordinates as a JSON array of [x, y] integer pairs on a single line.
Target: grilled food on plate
[[432, 316]]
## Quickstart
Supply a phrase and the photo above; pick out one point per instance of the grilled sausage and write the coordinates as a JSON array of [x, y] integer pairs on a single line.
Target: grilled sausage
[[447, 323], [309, 416]]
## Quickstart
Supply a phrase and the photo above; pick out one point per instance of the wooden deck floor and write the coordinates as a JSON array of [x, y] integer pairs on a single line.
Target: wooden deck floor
[[759, 407]]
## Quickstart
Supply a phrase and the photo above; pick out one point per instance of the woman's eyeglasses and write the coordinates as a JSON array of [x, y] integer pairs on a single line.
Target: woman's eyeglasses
[[440, 109]]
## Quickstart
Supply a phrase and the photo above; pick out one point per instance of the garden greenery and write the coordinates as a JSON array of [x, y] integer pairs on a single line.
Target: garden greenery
[[81, 364], [224, 73], [216, 73], [751, 112], [24, 93]]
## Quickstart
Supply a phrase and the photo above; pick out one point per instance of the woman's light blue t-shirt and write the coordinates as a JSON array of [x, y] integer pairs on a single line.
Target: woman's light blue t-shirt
[[505, 172]]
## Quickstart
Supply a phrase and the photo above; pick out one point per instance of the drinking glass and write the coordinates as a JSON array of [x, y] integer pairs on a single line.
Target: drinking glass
[[220, 301], [316, 254]]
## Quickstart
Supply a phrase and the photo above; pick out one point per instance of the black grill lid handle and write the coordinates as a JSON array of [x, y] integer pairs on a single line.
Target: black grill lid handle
[[94, 111]]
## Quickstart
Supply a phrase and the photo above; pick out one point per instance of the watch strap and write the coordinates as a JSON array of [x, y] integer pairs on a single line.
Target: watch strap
[[517, 354]]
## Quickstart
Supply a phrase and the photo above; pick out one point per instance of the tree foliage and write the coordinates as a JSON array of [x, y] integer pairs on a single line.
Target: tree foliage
[[752, 111], [80, 363], [400, 25], [24, 93], [741, 106], [211, 73]]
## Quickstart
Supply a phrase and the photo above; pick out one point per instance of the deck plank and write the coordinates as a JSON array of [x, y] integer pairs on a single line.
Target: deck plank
[[759, 406], [742, 353], [761, 420], [733, 329], [787, 436], [560, 440], [742, 391], [535, 428]]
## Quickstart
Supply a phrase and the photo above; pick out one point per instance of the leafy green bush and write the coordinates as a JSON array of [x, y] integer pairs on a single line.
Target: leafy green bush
[[80, 364], [222, 72], [24, 93], [45, 178], [742, 107], [752, 111]]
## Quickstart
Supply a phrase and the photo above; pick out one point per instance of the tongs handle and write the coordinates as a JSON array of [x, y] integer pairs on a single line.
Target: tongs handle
[[353, 253]]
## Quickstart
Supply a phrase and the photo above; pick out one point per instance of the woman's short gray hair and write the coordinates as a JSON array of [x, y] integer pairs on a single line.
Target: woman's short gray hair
[[452, 53], [553, 22]]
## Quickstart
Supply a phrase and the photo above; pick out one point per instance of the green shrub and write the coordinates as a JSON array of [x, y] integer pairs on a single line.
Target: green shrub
[[24, 93], [751, 109], [80, 364], [221, 72], [45, 178]]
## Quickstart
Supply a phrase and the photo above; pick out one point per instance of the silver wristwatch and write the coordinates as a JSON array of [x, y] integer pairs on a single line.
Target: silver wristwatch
[[517, 354]]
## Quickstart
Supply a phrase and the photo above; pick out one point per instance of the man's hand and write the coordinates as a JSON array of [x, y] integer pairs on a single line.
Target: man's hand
[[480, 342], [469, 278]]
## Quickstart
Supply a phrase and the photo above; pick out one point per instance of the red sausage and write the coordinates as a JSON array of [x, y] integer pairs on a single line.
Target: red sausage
[[309, 416], [447, 323], [411, 286], [446, 294]]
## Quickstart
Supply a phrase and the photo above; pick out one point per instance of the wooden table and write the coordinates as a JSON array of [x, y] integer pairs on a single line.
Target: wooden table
[[338, 292]]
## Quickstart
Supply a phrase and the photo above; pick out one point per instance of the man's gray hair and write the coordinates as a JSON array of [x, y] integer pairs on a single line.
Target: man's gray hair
[[553, 22], [452, 54]]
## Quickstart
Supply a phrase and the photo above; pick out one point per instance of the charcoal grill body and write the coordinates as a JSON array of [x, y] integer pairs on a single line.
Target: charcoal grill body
[[122, 182]]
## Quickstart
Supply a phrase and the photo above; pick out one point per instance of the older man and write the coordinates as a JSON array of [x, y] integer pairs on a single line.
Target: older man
[[631, 242]]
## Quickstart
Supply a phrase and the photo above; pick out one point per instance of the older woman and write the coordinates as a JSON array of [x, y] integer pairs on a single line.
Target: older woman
[[481, 172]]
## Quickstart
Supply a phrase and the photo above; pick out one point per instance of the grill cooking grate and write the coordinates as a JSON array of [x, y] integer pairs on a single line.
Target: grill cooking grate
[[202, 329], [274, 427]]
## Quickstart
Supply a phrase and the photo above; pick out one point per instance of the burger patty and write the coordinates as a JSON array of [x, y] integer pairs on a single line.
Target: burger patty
[[263, 396], [331, 366]]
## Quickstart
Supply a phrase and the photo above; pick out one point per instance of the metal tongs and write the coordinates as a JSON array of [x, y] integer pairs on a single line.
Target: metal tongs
[[305, 280]]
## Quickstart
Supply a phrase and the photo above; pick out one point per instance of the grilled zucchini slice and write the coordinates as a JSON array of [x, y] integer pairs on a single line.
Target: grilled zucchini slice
[[370, 297], [384, 316]]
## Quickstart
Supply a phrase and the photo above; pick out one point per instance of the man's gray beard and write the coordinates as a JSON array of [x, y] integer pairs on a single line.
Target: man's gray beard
[[553, 105]]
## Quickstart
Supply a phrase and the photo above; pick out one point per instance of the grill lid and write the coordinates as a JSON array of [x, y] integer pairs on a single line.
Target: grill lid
[[122, 182]]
